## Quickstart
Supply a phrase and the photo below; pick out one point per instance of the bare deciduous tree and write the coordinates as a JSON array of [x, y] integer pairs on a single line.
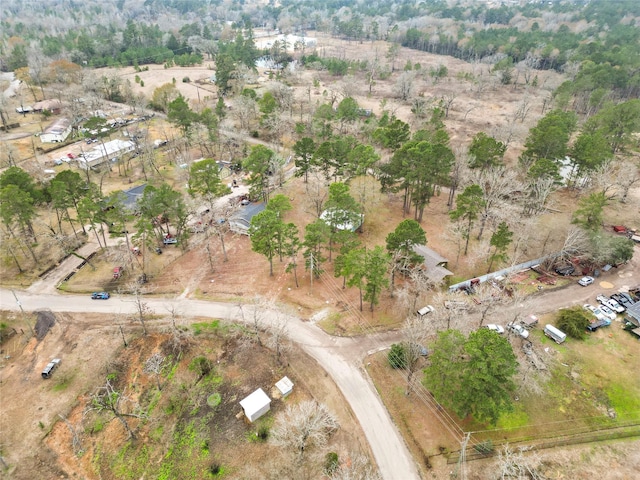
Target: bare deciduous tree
[[629, 175], [498, 185], [539, 191], [317, 192], [488, 298], [108, 399], [277, 336], [358, 468], [142, 308], [514, 464], [449, 308], [303, 425], [576, 242], [414, 331], [404, 87], [155, 365]]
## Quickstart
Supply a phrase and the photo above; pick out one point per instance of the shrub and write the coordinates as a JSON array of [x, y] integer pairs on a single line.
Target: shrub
[[214, 400], [397, 356], [263, 433], [485, 447], [573, 321], [331, 463]]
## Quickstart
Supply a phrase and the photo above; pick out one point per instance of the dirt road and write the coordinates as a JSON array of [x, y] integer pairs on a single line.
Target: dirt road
[[336, 355]]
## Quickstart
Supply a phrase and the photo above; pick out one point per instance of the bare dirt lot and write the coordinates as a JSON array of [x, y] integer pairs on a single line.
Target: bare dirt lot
[[35, 441]]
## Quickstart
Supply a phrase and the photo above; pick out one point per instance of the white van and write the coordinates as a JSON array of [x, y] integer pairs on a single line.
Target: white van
[[555, 334]]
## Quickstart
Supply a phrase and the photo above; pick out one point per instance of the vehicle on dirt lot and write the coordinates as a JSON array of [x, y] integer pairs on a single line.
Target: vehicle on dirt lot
[[495, 328], [599, 314], [615, 305], [625, 301], [169, 240], [51, 366], [424, 310], [592, 327], [117, 272], [584, 281], [518, 330], [610, 314], [100, 296], [565, 270], [628, 297]]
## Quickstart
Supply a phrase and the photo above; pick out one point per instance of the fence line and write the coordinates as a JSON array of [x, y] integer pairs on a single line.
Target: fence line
[[504, 271], [612, 433]]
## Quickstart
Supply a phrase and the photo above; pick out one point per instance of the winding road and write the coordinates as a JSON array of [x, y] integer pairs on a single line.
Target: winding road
[[340, 357]]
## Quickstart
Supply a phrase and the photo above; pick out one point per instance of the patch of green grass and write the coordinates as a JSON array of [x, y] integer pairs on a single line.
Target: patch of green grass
[[201, 327], [129, 463], [98, 425], [187, 455], [517, 418], [154, 402], [330, 323], [62, 382], [624, 400], [156, 433]]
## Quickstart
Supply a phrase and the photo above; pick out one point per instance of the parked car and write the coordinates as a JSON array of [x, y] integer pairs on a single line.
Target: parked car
[[169, 240], [51, 366], [100, 296], [628, 298], [622, 299], [495, 328], [518, 330], [57, 161], [599, 314], [610, 314], [424, 310], [585, 281], [610, 303], [592, 327], [565, 270]]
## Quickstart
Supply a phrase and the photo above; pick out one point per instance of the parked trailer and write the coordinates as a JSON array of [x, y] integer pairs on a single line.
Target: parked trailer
[[555, 334]]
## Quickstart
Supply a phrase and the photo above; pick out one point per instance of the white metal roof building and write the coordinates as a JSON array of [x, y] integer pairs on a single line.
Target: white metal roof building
[[57, 131], [105, 151], [255, 405]]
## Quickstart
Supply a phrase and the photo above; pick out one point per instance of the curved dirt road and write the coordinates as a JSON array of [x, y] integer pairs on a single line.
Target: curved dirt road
[[338, 356]]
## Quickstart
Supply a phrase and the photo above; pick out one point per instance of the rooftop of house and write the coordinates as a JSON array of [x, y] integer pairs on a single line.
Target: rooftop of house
[[58, 126]]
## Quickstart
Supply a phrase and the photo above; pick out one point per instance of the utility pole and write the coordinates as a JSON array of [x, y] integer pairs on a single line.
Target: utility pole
[[461, 469], [22, 310]]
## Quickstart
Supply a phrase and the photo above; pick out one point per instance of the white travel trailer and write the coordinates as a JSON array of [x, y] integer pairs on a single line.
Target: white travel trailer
[[555, 334]]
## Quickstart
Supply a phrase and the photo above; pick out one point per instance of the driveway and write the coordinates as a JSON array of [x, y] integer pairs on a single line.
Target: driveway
[[340, 358]]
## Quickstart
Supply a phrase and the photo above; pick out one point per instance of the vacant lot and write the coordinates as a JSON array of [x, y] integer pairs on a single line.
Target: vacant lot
[[182, 435]]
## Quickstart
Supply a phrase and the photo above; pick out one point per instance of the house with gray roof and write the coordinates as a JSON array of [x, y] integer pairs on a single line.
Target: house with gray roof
[[435, 264], [241, 220]]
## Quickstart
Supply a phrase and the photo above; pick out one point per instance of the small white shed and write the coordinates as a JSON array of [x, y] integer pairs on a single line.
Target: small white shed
[[256, 405], [284, 386]]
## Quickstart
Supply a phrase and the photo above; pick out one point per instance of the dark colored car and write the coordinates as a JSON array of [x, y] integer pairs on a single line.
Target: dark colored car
[[592, 327], [565, 270], [100, 296]]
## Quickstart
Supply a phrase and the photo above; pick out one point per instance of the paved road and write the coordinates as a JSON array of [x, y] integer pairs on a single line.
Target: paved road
[[340, 357]]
